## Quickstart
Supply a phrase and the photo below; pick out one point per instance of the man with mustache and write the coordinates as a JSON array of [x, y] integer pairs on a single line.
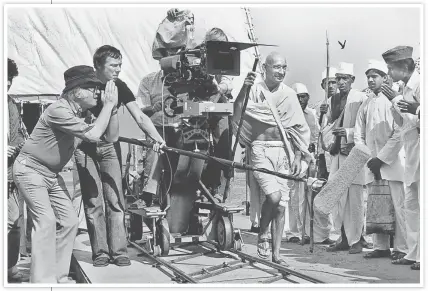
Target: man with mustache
[[401, 67], [375, 127], [100, 173], [325, 157], [348, 214], [271, 147]]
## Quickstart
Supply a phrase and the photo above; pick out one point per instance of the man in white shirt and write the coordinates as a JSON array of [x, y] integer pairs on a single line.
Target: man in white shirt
[[349, 211], [375, 127], [401, 67]]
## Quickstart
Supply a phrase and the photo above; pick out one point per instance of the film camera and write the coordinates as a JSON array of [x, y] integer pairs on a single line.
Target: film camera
[[192, 72]]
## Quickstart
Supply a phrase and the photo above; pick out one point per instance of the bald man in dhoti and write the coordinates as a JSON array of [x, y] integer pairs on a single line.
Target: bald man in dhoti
[[375, 127], [278, 148], [348, 214]]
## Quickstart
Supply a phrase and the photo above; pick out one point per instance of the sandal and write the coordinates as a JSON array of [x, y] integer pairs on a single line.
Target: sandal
[[377, 254], [397, 255], [416, 266], [263, 248], [402, 261]]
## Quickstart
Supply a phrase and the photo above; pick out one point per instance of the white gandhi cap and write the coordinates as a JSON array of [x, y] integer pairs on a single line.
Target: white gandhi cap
[[331, 73], [377, 65], [299, 88], [345, 69]]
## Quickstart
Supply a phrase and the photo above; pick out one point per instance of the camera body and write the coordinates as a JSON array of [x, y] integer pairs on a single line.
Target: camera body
[[192, 71]]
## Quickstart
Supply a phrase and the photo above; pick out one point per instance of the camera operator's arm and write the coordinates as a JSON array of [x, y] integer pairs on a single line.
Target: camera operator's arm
[[144, 100], [239, 102]]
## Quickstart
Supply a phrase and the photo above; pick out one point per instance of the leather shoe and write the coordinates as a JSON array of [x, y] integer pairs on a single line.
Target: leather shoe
[[101, 262], [122, 261]]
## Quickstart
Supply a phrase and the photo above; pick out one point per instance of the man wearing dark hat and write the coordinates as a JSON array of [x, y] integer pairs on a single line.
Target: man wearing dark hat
[[99, 169], [401, 67], [45, 153]]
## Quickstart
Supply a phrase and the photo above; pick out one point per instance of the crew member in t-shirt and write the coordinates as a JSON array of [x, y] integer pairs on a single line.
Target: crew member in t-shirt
[[99, 168]]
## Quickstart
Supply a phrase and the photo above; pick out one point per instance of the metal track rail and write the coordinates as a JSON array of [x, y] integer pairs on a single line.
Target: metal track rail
[[241, 260], [278, 267]]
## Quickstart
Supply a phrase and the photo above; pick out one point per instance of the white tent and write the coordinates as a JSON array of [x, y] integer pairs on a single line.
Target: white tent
[[47, 40]]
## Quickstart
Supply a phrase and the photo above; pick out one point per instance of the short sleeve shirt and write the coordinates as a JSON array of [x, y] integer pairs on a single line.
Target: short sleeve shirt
[[53, 140], [125, 96]]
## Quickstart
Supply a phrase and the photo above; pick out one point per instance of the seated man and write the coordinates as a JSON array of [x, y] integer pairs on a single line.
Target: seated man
[[150, 93], [219, 127], [45, 153], [271, 147]]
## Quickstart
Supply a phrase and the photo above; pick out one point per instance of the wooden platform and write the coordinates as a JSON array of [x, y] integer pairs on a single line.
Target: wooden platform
[[140, 271]]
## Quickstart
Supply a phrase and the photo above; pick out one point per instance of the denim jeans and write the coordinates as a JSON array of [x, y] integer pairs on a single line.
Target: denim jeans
[[100, 176], [55, 223], [13, 229]]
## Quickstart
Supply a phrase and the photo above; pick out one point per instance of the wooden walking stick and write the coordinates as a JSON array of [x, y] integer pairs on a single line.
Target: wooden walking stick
[[315, 173], [241, 121]]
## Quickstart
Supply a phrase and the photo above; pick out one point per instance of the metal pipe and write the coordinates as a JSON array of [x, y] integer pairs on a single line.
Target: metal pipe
[[206, 157]]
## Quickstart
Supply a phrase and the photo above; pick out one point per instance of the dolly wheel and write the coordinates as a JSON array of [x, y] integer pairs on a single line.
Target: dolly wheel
[[136, 227], [225, 233], [163, 236]]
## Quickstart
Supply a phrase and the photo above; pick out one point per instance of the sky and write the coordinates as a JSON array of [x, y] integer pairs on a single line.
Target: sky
[[300, 33]]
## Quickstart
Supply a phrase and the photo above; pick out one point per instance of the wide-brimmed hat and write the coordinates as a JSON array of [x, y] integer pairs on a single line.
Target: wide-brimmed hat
[[80, 76]]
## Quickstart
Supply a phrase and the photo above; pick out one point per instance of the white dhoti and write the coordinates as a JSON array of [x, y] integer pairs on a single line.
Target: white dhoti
[[322, 224], [257, 197], [411, 210], [381, 241], [349, 212]]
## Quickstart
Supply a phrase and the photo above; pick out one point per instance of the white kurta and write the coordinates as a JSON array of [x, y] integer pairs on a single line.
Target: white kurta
[[375, 127], [409, 128], [349, 211]]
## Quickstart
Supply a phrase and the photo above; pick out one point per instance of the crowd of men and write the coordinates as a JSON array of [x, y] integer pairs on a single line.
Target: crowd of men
[[280, 132]]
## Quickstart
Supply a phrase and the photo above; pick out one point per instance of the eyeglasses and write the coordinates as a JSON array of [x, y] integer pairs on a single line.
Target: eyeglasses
[[278, 67]]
